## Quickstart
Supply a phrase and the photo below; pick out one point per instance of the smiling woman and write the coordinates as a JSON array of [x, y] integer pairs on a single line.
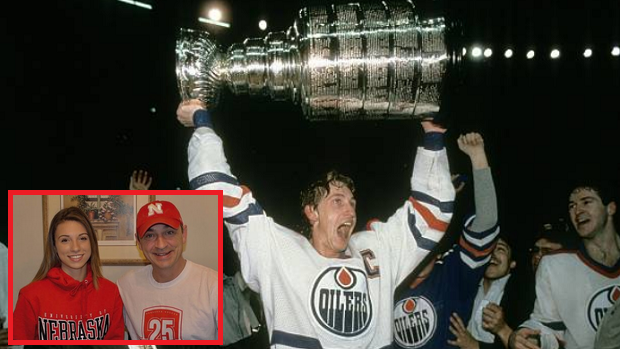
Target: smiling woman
[[73, 248], [69, 282]]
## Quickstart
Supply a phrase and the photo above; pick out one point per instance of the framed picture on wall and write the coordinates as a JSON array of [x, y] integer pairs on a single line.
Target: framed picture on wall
[[113, 218]]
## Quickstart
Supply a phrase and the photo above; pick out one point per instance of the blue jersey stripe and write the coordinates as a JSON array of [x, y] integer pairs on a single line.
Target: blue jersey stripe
[[556, 326], [294, 340], [243, 217], [423, 243], [471, 236], [211, 177], [445, 207]]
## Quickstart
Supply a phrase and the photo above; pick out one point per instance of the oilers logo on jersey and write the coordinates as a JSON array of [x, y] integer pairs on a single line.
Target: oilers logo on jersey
[[602, 300], [340, 301], [415, 322]]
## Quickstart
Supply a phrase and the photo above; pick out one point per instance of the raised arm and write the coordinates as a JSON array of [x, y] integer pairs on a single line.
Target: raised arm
[[209, 170], [208, 167], [418, 225], [480, 231], [485, 200]]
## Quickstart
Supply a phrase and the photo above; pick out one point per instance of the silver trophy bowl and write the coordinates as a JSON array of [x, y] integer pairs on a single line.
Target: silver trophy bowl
[[357, 61]]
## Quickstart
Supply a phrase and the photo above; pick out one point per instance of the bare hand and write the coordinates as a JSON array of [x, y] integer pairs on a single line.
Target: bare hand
[[140, 180], [464, 339], [429, 126], [493, 318], [524, 338], [471, 143], [186, 110]]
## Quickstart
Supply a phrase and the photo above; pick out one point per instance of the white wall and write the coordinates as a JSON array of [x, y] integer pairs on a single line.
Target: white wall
[[27, 240], [199, 212]]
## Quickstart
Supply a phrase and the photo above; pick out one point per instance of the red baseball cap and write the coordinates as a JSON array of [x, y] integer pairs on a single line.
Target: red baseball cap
[[156, 212]]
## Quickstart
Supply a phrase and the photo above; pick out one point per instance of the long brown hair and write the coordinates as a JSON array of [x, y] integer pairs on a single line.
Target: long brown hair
[[50, 257]]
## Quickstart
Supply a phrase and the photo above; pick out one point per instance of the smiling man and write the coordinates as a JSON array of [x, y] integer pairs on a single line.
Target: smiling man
[[331, 287], [575, 288], [172, 298], [487, 325]]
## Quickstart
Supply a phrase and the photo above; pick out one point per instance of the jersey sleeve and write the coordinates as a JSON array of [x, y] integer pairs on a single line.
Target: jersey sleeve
[[468, 258], [475, 248], [545, 316], [481, 230], [465, 262], [246, 222], [416, 227]]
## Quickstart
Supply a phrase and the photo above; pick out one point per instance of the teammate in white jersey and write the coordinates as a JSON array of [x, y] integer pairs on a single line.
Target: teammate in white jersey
[[335, 288], [574, 289]]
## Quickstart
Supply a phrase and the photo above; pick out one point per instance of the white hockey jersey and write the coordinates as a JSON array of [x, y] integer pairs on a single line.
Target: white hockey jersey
[[573, 292], [312, 301]]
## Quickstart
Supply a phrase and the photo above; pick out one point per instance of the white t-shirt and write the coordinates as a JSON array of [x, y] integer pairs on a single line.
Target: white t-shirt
[[184, 308]]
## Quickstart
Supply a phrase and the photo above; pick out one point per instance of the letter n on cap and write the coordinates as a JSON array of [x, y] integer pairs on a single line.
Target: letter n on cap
[[155, 208]]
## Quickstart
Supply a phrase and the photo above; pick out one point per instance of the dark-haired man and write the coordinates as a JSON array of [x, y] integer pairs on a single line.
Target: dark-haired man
[[574, 288]]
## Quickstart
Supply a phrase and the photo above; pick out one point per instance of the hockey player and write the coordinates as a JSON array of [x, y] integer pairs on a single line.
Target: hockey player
[[575, 288], [447, 286], [69, 298], [335, 289], [172, 298]]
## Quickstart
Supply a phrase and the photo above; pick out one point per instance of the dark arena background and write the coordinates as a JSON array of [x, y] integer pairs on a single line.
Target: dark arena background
[[91, 92]]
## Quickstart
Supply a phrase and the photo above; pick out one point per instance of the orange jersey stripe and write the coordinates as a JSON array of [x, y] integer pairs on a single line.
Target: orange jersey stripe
[[477, 253], [231, 201], [429, 217]]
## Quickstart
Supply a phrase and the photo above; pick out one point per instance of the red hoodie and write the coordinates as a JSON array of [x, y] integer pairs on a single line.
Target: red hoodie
[[62, 308]]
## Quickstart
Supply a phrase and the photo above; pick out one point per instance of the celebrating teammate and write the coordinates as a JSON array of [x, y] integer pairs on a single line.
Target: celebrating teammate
[[575, 288], [335, 288]]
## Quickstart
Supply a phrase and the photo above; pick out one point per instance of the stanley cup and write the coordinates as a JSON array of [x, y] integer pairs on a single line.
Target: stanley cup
[[356, 61]]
